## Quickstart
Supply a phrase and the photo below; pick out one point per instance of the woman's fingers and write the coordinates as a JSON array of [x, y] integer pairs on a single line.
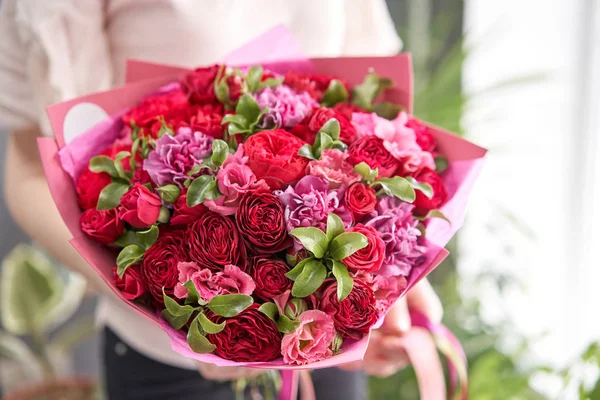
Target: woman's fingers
[[423, 298], [397, 320]]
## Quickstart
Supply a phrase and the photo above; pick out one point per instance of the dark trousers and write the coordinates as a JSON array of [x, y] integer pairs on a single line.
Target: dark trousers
[[130, 375]]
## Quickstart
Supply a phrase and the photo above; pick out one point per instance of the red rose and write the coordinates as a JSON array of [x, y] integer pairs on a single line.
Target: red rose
[[269, 276], [347, 109], [89, 185], [159, 267], [422, 203], [314, 85], [141, 176], [131, 285], [234, 85], [103, 226], [309, 127], [140, 207], [273, 156], [360, 200], [425, 138], [198, 85], [171, 106], [353, 316], [184, 215], [214, 242], [261, 222], [250, 336], [370, 258], [370, 150], [206, 119]]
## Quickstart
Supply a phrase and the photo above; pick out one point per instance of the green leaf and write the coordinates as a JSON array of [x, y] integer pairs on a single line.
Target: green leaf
[[110, 196], [332, 128], [195, 169], [339, 145], [234, 119], [30, 288], [366, 172], [297, 270], [209, 326], [174, 308], [307, 151], [197, 341], [127, 257], [335, 226], [313, 240], [335, 93], [103, 164], [169, 193], [310, 279], [176, 321], [229, 305], [248, 108], [286, 325], [135, 146], [220, 151], [441, 164], [322, 142], [398, 187], [364, 94], [271, 82], [193, 296], [346, 244], [253, 77], [433, 214], [269, 309], [119, 165], [344, 280], [202, 188], [143, 239], [423, 187], [387, 110]]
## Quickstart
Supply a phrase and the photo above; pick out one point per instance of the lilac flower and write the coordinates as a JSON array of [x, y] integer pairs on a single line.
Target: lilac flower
[[309, 203], [174, 156], [286, 107], [394, 222]]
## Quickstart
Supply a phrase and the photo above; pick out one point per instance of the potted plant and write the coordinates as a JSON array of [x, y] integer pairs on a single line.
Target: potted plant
[[36, 297]]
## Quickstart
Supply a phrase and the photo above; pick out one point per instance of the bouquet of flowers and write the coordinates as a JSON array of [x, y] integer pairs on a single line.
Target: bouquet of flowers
[[267, 213]]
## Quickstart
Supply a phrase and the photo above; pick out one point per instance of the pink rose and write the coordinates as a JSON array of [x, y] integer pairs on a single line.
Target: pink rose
[[334, 168], [234, 179], [140, 207], [229, 281], [311, 341]]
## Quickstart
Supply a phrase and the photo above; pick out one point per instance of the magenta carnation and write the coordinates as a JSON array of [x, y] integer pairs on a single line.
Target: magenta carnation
[[174, 156], [394, 222], [286, 107]]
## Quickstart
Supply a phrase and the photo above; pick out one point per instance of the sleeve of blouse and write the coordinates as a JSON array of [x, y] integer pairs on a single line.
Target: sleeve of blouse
[[369, 29], [50, 51], [17, 107]]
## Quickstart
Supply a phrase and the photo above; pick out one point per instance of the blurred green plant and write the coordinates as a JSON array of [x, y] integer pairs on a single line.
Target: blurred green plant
[[36, 297]]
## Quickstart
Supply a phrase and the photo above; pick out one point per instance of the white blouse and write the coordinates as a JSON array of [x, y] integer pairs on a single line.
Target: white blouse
[[52, 51]]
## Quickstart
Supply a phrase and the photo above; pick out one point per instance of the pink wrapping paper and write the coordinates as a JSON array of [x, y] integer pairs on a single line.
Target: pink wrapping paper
[[64, 161]]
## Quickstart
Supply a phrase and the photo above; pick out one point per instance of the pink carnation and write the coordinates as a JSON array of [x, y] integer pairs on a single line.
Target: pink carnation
[[333, 167], [208, 284], [311, 341], [286, 107], [234, 179], [387, 289]]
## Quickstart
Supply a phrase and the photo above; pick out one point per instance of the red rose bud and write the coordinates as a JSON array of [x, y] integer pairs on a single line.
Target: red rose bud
[[250, 336], [141, 176], [159, 267], [260, 220], [269, 276], [293, 256], [215, 242], [140, 207], [198, 85], [184, 215], [347, 109], [88, 188], [422, 204], [102, 226], [234, 85], [273, 156], [370, 150], [131, 285], [425, 138], [314, 85], [370, 258], [311, 124], [353, 316], [360, 200]]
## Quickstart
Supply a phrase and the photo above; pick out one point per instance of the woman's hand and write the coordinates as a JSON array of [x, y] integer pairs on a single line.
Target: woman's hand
[[386, 354], [215, 373]]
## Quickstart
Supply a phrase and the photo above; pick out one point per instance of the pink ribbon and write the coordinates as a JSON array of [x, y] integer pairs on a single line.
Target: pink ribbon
[[422, 343]]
